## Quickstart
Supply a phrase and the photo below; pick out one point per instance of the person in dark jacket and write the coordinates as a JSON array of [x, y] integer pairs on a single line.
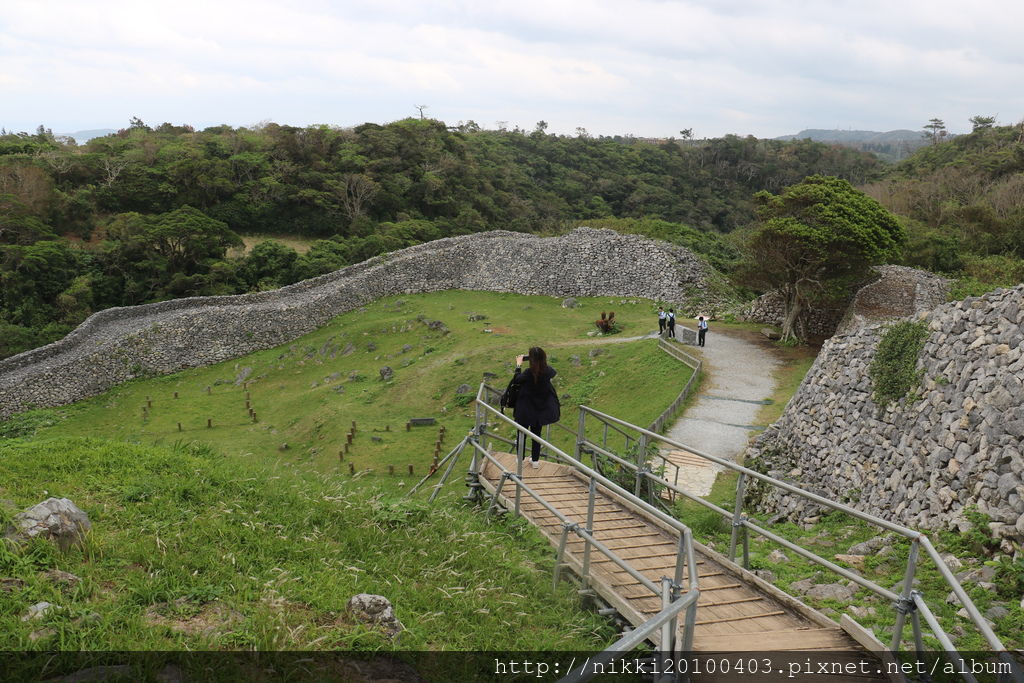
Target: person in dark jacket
[[537, 404]]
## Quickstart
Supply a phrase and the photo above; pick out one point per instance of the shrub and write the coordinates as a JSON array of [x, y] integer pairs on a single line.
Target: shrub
[[894, 370]]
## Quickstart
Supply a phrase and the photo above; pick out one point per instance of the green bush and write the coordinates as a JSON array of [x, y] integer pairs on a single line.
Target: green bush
[[894, 370]]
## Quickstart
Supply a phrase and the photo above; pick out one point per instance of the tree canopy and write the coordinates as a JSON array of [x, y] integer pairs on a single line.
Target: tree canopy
[[815, 239]]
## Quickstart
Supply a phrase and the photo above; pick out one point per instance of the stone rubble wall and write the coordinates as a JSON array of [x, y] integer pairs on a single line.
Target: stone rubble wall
[[119, 344], [892, 292], [918, 462]]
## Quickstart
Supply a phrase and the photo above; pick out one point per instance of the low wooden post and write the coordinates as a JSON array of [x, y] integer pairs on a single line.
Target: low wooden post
[[175, 394], [353, 426], [349, 438], [149, 404], [341, 455], [254, 416], [408, 426], [351, 468], [387, 428], [208, 389], [179, 426], [248, 406], [346, 449], [410, 470], [245, 386], [391, 469], [247, 396], [209, 422]]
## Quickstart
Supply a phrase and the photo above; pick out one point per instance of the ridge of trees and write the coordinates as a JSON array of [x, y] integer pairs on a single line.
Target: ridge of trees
[[148, 213]]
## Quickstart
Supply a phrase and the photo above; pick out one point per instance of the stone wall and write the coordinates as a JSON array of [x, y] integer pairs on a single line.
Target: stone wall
[[119, 344], [919, 461], [890, 292]]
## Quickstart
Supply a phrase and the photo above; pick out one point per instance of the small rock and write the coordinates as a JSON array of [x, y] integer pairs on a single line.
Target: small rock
[[476, 317], [996, 613], [283, 447], [569, 303], [869, 546], [38, 611], [777, 557], [463, 389], [856, 561], [44, 633], [9, 585], [371, 347], [765, 574], [340, 389], [406, 348], [386, 373], [574, 361], [243, 375], [594, 353], [375, 610], [55, 518], [832, 591], [862, 612], [61, 577]]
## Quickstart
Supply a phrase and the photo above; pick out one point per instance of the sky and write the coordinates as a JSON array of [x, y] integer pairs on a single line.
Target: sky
[[648, 68]]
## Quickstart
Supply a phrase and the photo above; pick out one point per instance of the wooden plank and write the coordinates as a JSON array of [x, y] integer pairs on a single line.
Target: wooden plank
[[794, 639]]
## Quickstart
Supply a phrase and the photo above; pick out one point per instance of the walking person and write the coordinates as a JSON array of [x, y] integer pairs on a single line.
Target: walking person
[[702, 330], [537, 403], [671, 323], [661, 321]]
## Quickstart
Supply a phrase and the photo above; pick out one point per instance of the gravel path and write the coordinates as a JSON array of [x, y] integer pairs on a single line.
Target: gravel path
[[738, 381]]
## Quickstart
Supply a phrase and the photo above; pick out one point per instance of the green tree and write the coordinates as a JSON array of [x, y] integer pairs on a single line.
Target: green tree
[[935, 130], [814, 241]]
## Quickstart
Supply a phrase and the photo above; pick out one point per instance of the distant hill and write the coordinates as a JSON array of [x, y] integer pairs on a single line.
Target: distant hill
[[83, 136], [892, 145]]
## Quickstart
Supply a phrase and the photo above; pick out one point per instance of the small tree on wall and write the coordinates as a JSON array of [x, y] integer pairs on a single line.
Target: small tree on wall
[[814, 241]]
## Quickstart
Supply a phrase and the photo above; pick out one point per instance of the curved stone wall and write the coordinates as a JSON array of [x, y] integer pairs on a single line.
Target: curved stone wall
[[920, 461], [119, 344]]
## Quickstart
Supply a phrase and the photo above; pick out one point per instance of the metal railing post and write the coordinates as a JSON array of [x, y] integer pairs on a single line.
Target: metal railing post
[[905, 603], [520, 456], [667, 637], [581, 433], [559, 560], [737, 512], [591, 499]]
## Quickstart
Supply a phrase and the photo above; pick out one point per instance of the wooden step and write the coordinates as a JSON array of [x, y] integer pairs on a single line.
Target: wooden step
[[796, 639]]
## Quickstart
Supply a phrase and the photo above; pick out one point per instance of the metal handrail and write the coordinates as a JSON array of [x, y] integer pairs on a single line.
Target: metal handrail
[[686, 550], [629, 641], [907, 596]]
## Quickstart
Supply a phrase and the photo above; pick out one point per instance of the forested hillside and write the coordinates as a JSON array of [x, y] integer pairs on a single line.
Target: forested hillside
[[963, 207], [148, 213]]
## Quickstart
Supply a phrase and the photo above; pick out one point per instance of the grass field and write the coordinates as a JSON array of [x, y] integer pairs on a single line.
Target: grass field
[[221, 538]]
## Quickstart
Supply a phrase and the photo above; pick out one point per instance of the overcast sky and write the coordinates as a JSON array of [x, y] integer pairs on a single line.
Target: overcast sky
[[647, 68]]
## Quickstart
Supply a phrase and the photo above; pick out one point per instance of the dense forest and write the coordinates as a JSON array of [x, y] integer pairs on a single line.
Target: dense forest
[[149, 214]]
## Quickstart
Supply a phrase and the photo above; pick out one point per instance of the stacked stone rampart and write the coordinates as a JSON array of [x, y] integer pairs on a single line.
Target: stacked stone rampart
[[954, 442], [119, 344]]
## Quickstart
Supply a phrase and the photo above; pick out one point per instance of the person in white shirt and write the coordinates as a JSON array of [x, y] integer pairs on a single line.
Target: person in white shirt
[[702, 330], [661, 321]]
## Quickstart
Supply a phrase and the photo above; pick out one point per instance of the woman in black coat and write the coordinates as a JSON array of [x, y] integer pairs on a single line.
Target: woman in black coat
[[537, 403]]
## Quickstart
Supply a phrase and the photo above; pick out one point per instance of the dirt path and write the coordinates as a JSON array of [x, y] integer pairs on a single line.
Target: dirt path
[[739, 368]]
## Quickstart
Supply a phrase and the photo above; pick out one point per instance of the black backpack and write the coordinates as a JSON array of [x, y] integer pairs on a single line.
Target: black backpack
[[510, 395]]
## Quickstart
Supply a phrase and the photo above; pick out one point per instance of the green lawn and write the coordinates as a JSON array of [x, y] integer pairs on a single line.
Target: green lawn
[[220, 537]]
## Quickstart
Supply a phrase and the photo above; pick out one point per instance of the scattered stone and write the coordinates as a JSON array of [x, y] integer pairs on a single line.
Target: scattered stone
[[354, 376], [832, 591], [463, 389], [765, 574], [777, 557], [569, 303], [348, 350], [9, 585], [43, 634], [406, 348], [855, 561], [490, 375], [371, 347], [375, 610], [38, 611], [340, 389], [386, 373], [952, 561], [594, 353], [476, 317], [283, 447], [770, 333], [997, 613], [869, 546], [57, 519], [862, 612], [243, 375], [376, 439], [61, 578], [574, 360]]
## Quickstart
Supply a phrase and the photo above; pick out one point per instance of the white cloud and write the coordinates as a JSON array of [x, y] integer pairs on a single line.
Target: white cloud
[[646, 67]]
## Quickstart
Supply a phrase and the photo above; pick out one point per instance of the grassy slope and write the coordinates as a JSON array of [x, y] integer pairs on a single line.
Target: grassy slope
[[204, 522]]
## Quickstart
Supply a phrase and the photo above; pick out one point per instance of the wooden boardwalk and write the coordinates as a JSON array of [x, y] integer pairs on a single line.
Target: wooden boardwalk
[[737, 611]]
